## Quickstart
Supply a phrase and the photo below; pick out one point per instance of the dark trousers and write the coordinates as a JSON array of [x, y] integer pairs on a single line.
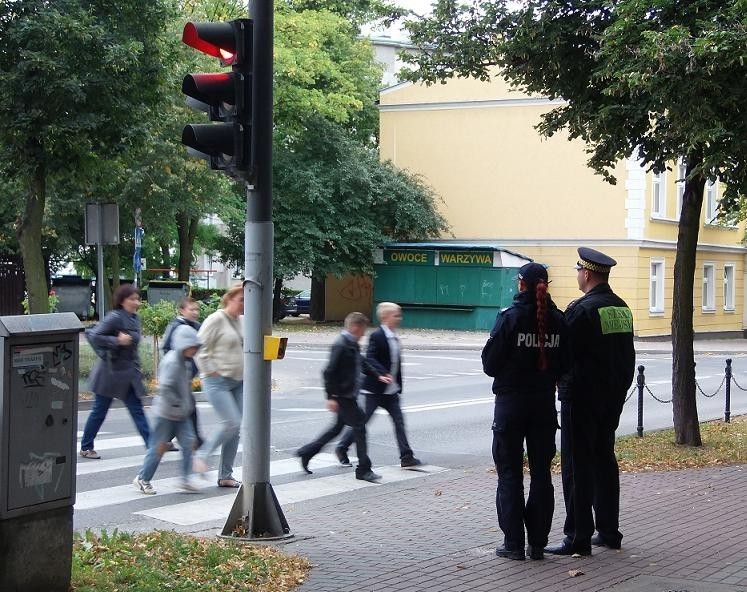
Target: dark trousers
[[351, 415], [591, 478], [392, 406], [518, 418], [98, 413]]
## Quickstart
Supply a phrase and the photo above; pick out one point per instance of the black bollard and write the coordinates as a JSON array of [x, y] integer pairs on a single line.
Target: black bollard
[[641, 381], [727, 406]]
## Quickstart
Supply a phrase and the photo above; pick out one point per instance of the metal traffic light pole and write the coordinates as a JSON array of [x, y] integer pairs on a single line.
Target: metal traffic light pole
[[256, 513]]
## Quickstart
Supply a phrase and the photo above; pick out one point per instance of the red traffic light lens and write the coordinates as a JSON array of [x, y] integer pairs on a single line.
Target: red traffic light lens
[[214, 39]]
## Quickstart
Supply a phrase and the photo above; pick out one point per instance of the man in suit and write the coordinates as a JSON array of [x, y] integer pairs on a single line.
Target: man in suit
[[384, 354], [342, 379]]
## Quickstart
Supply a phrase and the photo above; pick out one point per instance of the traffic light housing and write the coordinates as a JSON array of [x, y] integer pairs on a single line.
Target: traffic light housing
[[225, 96]]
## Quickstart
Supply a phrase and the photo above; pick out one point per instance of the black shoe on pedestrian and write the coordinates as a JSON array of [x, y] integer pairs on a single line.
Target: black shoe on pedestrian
[[598, 541], [410, 461], [342, 456], [516, 555], [369, 476], [305, 463], [567, 548], [535, 552]]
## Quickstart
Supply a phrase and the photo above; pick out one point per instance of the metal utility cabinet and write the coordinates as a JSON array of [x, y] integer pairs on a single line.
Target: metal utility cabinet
[[38, 429]]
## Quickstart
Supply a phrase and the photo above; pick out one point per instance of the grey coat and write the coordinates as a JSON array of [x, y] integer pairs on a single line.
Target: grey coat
[[174, 399], [120, 372]]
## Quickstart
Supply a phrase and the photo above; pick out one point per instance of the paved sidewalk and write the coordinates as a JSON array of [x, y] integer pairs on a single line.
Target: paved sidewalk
[[684, 532]]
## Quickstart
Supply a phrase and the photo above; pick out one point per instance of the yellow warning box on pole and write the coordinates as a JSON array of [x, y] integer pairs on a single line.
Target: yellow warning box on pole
[[275, 347]]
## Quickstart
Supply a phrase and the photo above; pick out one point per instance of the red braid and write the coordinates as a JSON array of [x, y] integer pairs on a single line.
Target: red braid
[[540, 292]]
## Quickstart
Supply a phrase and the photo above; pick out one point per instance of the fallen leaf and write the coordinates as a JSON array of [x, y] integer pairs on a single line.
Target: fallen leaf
[[574, 573], [437, 492]]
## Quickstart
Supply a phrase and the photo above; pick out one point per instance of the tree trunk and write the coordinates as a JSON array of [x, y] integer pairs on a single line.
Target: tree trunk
[[165, 259], [684, 407], [317, 299], [278, 307], [186, 227], [28, 232]]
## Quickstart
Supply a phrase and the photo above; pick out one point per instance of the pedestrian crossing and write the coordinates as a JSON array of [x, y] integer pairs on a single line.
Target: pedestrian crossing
[[170, 507]]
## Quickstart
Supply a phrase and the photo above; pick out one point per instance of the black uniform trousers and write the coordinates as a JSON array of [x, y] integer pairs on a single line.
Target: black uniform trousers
[[591, 478], [392, 405], [348, 413], [517, 418]]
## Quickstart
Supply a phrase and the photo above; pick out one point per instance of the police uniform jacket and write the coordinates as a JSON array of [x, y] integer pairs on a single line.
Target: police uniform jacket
[[601, 325], [511, 355]]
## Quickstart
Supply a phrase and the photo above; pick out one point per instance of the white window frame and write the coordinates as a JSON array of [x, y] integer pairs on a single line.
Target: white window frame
[[659, 195], [711, 201], [729, 286], [681, 174], [708, 303], [656, 286]]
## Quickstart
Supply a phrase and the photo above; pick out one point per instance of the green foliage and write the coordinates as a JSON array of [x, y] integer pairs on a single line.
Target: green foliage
[[335, 202], [154, 318], [209, 305]]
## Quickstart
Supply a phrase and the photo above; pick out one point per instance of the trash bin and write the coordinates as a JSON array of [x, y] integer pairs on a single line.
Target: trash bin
[[73, 295], [38, 435], [171, 291]]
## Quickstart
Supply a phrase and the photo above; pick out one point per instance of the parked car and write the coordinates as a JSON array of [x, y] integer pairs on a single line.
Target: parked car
[[299, 304]]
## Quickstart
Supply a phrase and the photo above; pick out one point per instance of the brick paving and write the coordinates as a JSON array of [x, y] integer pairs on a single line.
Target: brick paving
[[439, 534]]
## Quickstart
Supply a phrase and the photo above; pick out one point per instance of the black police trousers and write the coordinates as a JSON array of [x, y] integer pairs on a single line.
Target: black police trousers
[[591, 478], [519, 417]]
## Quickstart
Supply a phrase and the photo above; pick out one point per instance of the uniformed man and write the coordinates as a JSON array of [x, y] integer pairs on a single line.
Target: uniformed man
[[592, 395]]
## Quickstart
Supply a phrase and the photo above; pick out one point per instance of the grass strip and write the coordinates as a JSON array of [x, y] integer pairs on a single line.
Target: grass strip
[[169, 561]]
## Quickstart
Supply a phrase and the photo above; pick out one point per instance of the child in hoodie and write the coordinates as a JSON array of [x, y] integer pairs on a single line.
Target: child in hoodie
[[172, 408]]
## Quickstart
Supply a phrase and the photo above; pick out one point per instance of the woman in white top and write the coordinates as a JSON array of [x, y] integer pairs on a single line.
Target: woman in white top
[[221, 364]]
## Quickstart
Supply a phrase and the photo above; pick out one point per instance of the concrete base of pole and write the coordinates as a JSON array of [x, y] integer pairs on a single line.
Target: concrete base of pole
[[256, 515], [36, 551]]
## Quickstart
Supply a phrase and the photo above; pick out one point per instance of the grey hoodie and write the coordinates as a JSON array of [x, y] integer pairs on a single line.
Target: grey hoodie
[[174, 399]]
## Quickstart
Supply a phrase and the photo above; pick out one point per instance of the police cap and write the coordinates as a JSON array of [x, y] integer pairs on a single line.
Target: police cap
[[531, 273], [594, 260]]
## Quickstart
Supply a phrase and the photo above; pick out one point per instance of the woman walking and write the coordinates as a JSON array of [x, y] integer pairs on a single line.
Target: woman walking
[[221, 364], [117, 373], [526, 354]]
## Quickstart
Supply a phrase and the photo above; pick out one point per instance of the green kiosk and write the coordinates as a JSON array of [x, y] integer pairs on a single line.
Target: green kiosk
[[442, 285]]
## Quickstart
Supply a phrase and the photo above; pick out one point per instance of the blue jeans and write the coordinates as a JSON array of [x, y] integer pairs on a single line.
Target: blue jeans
[[100, 408], [163, 431], [226, 395]]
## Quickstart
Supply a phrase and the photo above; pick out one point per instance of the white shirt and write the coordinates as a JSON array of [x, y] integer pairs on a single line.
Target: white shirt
[[392, 389]]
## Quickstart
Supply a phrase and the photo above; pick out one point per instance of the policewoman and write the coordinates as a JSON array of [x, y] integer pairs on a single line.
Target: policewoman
[[528, 350], [591, 400]]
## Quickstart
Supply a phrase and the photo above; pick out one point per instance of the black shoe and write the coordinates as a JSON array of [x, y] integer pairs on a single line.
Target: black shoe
[[566, 548], [369, 476], [305, 463], [517, 555], [598, 541], [171, 447], [342, 456], [535, 552], [410, 461]]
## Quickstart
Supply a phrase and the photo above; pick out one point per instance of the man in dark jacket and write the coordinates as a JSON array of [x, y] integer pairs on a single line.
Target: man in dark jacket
[[342, 380], [592, 395], [384, 354]]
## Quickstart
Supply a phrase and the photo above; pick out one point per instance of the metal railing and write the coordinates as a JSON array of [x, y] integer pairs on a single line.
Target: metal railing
[[642, 387]]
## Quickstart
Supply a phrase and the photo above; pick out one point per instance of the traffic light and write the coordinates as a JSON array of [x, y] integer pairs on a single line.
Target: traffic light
[[225, 96]]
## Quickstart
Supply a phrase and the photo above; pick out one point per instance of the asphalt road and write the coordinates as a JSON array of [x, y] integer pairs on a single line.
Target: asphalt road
[[448, 412]]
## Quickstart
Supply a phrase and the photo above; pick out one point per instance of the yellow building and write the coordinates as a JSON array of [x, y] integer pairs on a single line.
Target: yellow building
[[502, 183]]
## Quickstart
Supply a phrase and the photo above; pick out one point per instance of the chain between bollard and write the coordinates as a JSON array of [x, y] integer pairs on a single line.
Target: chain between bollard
[[715, 393]]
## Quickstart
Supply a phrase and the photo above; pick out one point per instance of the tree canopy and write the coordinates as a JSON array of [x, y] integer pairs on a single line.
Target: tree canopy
[[655, 80]]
